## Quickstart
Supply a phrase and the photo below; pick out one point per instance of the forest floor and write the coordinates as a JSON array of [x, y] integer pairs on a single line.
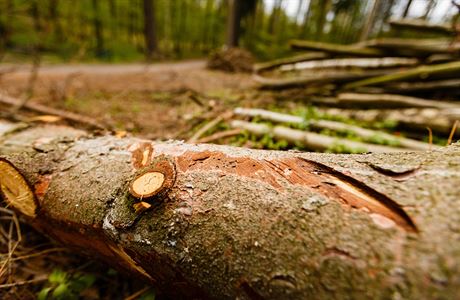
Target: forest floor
[[150, 100]]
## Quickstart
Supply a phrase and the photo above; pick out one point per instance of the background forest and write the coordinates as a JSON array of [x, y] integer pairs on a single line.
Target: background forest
[[118, 30]]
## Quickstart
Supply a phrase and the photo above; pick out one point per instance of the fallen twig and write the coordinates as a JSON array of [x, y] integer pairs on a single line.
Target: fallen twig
[[452, 132], [219, 135], [209, 126], [77, 118]]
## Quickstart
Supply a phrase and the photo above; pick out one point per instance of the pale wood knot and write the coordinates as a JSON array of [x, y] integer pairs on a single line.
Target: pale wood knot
[[155, 179]]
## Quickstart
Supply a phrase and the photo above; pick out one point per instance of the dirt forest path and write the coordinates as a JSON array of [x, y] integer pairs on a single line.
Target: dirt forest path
[[149, 100], [66, 69], [113, 77]]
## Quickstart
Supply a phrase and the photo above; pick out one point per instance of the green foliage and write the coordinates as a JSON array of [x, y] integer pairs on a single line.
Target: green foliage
[[149, 295], [65, 286], [378, 139], [340, 148], [259, 142], [66, 30]]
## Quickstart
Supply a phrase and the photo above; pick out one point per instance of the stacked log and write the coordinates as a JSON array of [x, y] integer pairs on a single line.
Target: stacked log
[[405, 79]]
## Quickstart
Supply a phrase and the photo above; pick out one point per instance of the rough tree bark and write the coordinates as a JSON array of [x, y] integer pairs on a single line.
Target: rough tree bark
[[228, 222]]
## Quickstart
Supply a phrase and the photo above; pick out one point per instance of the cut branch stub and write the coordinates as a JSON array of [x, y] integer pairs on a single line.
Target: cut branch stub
[[15, 190], [154, 179]]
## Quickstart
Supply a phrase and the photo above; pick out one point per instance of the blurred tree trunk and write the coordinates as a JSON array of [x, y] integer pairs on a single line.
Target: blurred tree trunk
[[406, 9], [220, 11], [323, 9], [208, 23], [307, 16], [35, 14], [149, 29], [429, 8], [274, 16], [113, 17], [233, 23], [132, 23], [367, 29], [387, 12], [53, 12], [98, 30], [176, 16], [298, 15], [4, 26], [183, 36]]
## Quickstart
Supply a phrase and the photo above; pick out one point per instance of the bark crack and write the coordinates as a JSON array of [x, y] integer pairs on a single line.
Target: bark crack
[[372, 199], [399, 176]]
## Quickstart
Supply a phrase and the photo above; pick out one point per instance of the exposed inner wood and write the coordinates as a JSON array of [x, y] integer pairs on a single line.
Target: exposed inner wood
[[329, 182], [141, 206], [147, 184], [15, 189], [358, 195]]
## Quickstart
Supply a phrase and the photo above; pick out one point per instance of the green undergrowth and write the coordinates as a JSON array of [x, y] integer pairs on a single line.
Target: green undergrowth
[[63, 285], [267, 141], [66, 285]]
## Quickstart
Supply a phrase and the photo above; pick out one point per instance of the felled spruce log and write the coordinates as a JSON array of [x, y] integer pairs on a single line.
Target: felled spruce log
[[311, 140], [391, 101], [289, 60], [419, 119], [414, 47], [449, 70], [336, 49], [335, 76], [408, 87], [222, 222], [336, 126], [421, 25], [338, 63]]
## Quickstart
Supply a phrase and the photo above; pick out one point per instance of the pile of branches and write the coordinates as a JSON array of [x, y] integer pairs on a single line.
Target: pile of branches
[[414, 82], [231, 60]]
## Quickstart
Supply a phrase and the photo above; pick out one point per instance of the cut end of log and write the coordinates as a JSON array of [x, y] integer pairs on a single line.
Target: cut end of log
[[147, 184], [15, 190]]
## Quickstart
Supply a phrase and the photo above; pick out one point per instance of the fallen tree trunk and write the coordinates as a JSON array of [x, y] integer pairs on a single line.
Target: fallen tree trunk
[[440, 121], [390, 101], [311, 140], [336, 126], [337, 49], [289, 60], [421, 25], [367, 63], [407, 87], [327, 77], [423, 72], [227, 222], [413, 47]]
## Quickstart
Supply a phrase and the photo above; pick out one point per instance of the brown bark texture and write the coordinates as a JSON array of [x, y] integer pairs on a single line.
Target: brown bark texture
[[237, 223]]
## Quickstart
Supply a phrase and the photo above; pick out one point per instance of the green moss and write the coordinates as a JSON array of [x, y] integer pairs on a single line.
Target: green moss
[[340, 148]]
